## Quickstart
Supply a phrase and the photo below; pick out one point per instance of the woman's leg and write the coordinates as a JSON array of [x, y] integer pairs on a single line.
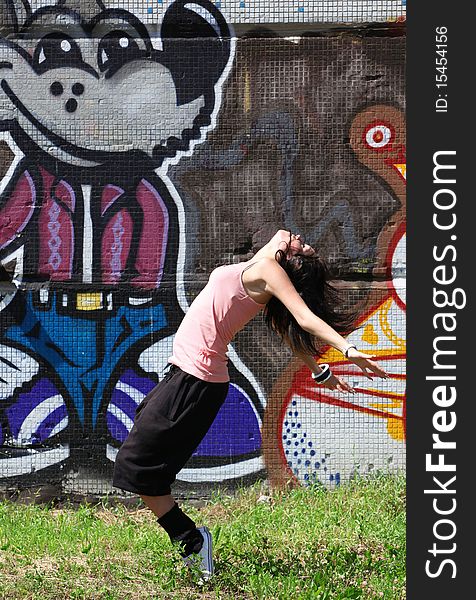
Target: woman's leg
[[169, 424], [176, 523], [159, 505]]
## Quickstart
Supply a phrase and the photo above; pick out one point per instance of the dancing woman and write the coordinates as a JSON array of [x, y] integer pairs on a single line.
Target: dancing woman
[[290, 284]]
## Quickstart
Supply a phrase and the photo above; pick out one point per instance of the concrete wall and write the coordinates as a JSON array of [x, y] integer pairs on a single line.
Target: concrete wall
[[131, 164]]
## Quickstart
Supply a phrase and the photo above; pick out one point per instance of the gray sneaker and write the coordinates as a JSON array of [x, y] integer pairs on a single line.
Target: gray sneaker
[[202, 561]]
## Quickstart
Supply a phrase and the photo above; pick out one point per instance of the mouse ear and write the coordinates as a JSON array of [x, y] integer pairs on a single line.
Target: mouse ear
[[189, 19], [196, 46], [13, 13]]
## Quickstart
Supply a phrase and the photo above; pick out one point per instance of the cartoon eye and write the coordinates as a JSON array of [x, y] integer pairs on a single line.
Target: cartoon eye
[[56, 50], [378, 136], [116, 49]]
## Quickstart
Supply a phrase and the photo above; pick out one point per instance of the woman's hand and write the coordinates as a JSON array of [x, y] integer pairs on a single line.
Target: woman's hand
[[368, 366], [336, 383]]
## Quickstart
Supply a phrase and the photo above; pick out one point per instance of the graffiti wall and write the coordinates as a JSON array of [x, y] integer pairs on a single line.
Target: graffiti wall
[[135, 159]]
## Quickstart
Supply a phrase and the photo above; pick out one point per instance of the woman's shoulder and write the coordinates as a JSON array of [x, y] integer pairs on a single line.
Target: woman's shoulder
[[261, 264], [260, 268]]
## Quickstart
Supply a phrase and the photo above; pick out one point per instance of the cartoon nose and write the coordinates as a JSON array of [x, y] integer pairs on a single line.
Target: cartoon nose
[[77, 89]]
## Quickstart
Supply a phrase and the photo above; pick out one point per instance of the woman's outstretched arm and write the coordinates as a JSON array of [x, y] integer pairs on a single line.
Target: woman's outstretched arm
[[278, 284]]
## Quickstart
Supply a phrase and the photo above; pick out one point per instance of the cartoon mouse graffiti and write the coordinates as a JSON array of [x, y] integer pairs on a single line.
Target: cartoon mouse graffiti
[[94, 112]]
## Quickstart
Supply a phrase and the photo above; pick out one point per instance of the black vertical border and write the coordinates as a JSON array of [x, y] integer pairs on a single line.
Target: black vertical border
[[428, 132]]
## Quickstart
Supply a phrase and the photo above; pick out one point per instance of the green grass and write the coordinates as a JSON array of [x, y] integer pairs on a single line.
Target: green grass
[[306, 543]]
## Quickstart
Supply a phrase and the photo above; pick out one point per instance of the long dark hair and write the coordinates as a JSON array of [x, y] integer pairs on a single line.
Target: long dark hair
[[310, 276]]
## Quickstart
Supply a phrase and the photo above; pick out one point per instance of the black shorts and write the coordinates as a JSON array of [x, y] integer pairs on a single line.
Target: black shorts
[[169, 424]]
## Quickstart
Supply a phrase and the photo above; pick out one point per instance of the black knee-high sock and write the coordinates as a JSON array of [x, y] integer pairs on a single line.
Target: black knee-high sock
[[182, 529]]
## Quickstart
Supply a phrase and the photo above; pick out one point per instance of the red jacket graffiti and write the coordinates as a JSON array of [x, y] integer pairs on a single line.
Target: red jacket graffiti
[[70, 230]]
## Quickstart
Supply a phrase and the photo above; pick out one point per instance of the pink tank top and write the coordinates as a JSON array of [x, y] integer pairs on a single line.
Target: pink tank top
[[220, 310]]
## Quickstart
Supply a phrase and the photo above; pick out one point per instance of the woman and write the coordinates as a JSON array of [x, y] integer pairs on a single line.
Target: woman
[[289, 283]]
